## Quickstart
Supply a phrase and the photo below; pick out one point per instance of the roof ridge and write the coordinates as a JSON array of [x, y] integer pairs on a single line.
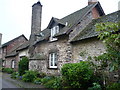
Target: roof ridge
[[14, 39], [79, 10]]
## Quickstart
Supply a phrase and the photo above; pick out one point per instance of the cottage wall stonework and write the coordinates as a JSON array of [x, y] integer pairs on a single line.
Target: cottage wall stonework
[[67, 53], [63, 49], [89, 47], [8, 62]]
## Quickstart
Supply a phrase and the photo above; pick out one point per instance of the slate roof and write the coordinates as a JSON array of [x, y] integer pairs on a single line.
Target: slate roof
[[74, 18], [89, 31], [11, 54], [14, 52], [71, 19], [23, 46], [7, 43]]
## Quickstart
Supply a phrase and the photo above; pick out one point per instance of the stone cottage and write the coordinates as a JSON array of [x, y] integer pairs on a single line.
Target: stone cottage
[[64, 39], [9, 54]]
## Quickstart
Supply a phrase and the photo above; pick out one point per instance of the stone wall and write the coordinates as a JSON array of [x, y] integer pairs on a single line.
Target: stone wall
[[23, 53], [8, 62], [8, 50], [63, 49], [85, 48]]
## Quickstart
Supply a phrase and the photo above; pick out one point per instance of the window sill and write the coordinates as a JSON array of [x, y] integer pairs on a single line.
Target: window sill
[[53, 68], [52, 41]]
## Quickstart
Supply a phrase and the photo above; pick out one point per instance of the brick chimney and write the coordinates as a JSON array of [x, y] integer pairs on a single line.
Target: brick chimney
[[92, 1]]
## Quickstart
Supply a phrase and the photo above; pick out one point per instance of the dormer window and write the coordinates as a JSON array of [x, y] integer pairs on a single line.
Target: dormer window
[[54, 31]]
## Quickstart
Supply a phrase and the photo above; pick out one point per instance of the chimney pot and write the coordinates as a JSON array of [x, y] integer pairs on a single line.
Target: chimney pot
[[92, 1]]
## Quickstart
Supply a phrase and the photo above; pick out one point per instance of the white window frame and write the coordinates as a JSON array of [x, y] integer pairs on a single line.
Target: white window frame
[[3, 63], [13, 64], [53, 60], [54, 31]]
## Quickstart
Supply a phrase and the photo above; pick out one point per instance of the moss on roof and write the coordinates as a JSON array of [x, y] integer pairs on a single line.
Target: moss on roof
[[74, 18], [23, 46], [70, 19], [89, 31], [11, 54], [7, 43]]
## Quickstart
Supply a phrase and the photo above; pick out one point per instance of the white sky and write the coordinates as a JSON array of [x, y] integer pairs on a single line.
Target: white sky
[[15, 15]]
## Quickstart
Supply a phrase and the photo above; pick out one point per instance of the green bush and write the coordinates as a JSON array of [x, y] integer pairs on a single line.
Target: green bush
[[96, 86], [23, 65], [114, 86], [77, 75], [15, 75], [46, 79], [29, 76], [54, 83], [37, 81], [41, 75], [8, 70], [3, 69]]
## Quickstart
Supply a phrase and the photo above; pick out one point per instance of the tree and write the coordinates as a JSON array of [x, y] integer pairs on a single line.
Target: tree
[[110, 34], [23, 65]]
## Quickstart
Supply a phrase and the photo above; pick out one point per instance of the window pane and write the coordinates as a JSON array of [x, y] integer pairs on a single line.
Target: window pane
[[52, 32], [55, 59], [13, 64], [51, 59], [57, 29]]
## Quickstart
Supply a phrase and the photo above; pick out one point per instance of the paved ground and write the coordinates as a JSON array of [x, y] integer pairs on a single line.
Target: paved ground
[[6, 84], [13, 83]]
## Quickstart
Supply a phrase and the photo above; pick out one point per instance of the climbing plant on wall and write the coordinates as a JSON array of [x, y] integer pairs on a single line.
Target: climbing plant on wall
[[109, 33]]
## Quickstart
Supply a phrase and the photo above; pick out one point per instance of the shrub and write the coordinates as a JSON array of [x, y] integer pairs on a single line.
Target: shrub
[[3, 69], [37, 81], [49, 84], [77, 75], [23, 65], [114, 86], [29, 76], [15, 75], [41, 75], [96, 86], [54, 83], [46, 79], [8, 70]]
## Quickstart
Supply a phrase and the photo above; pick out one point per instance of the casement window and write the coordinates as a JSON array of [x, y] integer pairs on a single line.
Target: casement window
[[3, 63], [53, 60], [54, 31], [13, 64]]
